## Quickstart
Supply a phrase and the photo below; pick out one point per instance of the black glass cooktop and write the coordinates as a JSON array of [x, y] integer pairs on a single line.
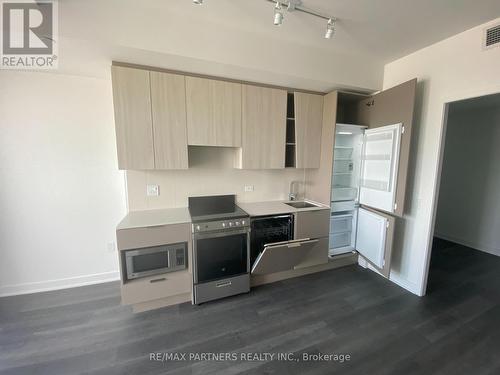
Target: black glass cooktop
[[214, 207]]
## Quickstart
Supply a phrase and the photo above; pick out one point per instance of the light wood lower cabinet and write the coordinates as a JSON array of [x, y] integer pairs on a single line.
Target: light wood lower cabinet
[[156, 287], [316, 255], [263, 128], [213, 112], [133, 121], [162, 289], [308, 124], [168, 95], [312, 224]]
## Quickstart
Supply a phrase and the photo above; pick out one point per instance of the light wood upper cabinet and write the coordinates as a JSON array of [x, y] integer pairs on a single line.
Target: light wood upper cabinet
[[308, 124], [168, 95], [213, 112], [133, 121], [263, 128]]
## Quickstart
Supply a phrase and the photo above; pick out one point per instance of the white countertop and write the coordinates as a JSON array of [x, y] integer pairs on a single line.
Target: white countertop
[[276, 208], [151, 218]]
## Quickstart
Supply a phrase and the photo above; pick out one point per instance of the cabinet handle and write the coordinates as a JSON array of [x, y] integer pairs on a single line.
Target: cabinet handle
[[158, 280], [222, 284], [304, 241]]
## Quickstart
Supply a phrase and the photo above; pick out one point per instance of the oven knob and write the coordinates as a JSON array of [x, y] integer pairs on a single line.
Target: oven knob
[[198, 228], [230, 224], [236, 223], [223, 225], [242, 222]]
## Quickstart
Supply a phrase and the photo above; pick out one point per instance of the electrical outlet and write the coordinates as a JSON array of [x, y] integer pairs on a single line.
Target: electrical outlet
[[111, 247], [152, 190], [248, 188]]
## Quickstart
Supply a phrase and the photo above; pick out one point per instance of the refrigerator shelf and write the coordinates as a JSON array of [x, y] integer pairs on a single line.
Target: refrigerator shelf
[[343, 166], [344, 193], [343, 153]]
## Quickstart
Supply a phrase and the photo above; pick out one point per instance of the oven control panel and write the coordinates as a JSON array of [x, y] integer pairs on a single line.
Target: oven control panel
[[209, 226]]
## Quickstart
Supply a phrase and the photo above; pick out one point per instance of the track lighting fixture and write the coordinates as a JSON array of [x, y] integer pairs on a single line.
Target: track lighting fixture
[[278, 14], [296, 6], [330, 29]]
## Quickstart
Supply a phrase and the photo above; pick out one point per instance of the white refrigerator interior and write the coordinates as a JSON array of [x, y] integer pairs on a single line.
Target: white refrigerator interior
[[345, 187], [365, 166]]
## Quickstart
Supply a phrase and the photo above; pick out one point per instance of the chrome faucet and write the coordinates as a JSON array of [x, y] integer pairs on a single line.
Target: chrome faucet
[[292, 195]]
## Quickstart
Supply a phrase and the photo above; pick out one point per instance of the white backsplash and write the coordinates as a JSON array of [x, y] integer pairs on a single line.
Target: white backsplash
[[210, 173]]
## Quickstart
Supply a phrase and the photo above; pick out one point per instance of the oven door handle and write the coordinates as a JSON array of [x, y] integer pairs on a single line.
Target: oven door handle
[[223, 233], [223, 284], [253, 220]]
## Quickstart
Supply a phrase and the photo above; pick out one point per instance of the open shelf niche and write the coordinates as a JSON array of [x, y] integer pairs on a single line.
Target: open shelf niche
[[290, 145]]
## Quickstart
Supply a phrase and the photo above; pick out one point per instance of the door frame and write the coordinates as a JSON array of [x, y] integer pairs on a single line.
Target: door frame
[[444, 104]]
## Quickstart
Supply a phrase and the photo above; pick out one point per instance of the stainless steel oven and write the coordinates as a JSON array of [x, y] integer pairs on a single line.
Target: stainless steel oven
[[221, 256], [150, 261]]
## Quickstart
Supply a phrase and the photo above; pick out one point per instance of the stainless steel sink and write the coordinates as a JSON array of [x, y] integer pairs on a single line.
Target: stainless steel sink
[[301, 204]]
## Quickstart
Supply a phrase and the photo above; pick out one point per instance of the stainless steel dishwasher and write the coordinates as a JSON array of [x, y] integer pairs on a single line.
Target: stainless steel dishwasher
[[267, 230]]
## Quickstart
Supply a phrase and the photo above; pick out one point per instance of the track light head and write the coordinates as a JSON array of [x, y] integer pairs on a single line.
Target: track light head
[[199, 2], [330, 29], [278, 14]]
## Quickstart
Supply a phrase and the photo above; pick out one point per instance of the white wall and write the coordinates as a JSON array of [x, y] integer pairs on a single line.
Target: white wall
[[61, 194], [469, 195], [211, 172], [453, 69]]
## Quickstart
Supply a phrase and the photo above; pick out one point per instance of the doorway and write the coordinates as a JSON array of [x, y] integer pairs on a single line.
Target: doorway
[[467, 222]]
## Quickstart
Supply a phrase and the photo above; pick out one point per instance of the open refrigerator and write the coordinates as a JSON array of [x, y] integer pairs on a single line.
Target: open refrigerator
[[345, 188], [364, 179]]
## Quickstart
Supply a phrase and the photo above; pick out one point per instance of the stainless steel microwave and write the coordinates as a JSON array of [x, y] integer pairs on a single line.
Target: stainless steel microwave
[[150, 261]]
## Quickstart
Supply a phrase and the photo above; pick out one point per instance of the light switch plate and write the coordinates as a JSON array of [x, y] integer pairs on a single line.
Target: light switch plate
[[152, 190], [248, 188]]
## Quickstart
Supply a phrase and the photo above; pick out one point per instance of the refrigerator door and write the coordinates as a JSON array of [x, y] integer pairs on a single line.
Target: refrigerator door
[[379, 167], [374, 238]]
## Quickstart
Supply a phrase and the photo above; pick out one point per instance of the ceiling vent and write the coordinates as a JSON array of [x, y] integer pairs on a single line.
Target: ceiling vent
[[492, 37]]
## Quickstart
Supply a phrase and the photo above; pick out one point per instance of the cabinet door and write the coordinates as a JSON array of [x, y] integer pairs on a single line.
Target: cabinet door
[[374, 238], [379, 167], [312, 224], [393, 106], [133, 123], [308, 123], [263, 128], [169, 120], [213, 112], [282, 256]]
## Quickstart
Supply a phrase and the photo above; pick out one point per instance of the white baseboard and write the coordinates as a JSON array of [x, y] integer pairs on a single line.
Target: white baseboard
[[394, 277], [476, 246], [71, 282], [405, 284]]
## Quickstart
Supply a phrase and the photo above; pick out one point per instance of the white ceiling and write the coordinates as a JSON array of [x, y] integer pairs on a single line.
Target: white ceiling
[[389, 29], [386, 29], [239, 34]]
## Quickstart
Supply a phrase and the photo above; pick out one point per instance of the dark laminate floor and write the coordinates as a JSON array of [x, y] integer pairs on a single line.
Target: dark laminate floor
[[455, 329]]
